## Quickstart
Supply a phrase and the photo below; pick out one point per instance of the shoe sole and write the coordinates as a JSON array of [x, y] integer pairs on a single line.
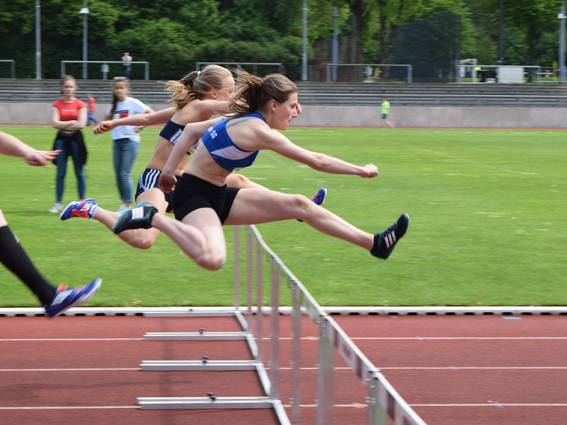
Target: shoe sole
[[83, 299]]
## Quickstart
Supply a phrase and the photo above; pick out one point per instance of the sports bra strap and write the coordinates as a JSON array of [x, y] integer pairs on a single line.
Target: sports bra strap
[[238, 121]]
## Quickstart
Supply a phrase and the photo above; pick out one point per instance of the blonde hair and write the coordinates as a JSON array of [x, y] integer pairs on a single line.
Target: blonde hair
[[196, 84], [114, 98], [64, 80], [253, 93]]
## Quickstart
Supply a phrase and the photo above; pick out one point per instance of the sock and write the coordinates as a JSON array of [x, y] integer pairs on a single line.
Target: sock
[[13, 256]]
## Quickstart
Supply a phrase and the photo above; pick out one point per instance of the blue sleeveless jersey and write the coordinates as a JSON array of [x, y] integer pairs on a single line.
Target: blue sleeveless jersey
[[222, 148]]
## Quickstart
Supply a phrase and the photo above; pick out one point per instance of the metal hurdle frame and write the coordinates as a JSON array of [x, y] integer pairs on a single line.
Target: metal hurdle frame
[[382, 399]]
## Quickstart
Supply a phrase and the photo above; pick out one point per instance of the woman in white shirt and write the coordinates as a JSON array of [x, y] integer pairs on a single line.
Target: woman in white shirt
[[126, 138]]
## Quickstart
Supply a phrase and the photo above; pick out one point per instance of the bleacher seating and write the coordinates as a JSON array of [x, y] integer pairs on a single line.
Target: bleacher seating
[[316, 93]]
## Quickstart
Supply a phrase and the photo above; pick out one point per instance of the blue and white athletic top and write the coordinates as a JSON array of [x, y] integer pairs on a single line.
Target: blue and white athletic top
[[222, 148]]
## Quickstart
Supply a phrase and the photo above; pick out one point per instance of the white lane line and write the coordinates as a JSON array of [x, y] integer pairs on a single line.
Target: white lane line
[[313, 338], [494, 404], [454, 368], [505, 338], [67, 339], [80, 369], [422, 338], [68, 407]]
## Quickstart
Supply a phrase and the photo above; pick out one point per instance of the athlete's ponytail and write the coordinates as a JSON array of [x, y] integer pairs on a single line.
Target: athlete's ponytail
[[253, 93], [196, 84]]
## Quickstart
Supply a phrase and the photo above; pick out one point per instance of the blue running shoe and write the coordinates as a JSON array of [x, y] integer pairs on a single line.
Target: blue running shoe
[[138, 217], [318, 199], [85, 209], [65, 297], [385, 242]]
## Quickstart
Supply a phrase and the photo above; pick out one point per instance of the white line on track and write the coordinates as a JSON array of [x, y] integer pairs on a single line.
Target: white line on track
[[67, 339], [80, 369], [448, 368], [494, 405], [454, 368], [433, 338], [68, 407], [313, 338], [303, 405]]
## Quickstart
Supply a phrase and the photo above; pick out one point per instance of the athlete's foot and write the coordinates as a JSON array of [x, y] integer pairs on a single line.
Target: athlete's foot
[[385, 242], [318, 199], [138, 217], [84, 208], [65, 297]]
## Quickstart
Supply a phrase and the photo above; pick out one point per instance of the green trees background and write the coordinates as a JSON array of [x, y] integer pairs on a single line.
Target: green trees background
[[174, 34]]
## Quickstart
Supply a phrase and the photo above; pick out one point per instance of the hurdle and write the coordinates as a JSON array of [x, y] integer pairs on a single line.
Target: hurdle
[[382, 399]]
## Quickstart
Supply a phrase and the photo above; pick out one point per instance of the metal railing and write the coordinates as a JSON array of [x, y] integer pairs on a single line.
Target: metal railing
[[104, 68], [323, 99], [334, 66], [465, 100], [239, 65], [12, 63]]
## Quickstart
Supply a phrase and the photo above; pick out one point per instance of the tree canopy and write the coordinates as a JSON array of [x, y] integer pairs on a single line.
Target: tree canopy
[[175, 34]]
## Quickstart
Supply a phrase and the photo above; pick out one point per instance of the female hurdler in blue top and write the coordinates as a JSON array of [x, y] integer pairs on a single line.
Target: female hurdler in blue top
[[203, 202]]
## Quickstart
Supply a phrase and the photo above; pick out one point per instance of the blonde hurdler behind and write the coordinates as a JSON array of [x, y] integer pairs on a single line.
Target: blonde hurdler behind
[[197, 97], [203, 202]]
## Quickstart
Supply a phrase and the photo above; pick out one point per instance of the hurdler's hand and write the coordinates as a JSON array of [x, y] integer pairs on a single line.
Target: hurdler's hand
[[40, 158], [103, 127], [370, 170], [167, 182]]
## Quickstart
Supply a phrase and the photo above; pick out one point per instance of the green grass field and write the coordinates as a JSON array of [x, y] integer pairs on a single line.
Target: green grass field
[[487, 210]]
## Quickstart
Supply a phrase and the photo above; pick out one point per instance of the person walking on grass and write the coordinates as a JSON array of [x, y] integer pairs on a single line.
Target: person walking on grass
[[92, 109], [385, 111], [196, 97], [126, 140], [55, 299], [69, 116], [203, 202]]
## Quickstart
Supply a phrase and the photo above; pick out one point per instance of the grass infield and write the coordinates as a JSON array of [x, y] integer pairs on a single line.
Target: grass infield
[[487, 211]]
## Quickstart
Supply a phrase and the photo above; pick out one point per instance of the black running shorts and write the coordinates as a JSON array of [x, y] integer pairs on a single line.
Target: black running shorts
[[192, 193]]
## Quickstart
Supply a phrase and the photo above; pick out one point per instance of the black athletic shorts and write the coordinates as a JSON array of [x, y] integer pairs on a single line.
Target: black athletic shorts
[[192, 193], [150, 179]]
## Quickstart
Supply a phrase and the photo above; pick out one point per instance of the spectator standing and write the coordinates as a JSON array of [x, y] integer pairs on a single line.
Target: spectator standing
[[127, 64], [92, 109], [385, 109], [126, 138], [69, 116]]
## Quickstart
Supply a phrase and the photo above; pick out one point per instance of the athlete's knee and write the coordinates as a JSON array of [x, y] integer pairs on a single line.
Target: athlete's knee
[[238, 180], [211, 261]]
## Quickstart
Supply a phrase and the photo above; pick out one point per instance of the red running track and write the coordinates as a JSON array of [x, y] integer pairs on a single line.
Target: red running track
[[458, 370]]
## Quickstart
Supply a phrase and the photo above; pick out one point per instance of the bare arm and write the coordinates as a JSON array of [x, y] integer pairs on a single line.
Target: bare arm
[[81, 122], [56, 121], [9, 145], [277, 142], [214, 107], [149, 118], [191, 133]]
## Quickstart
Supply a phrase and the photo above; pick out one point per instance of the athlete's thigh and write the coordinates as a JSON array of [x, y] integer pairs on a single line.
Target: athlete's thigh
[[256, 206], [155, 197], [207, 221]]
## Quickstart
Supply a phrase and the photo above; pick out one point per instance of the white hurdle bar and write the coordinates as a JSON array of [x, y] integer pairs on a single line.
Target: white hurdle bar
[[269, 383]]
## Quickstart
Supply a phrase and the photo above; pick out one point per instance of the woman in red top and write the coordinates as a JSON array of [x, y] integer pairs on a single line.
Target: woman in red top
[[69, 116]]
